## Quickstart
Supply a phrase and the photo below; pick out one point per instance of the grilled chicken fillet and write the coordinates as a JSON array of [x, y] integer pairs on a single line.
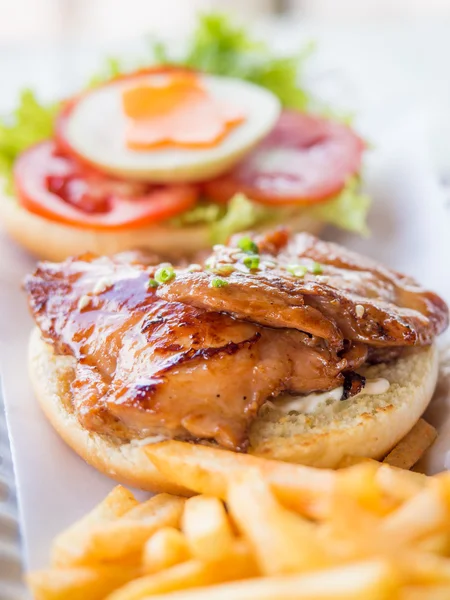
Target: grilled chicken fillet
[[316, 287], [146, 366], [194, 361]]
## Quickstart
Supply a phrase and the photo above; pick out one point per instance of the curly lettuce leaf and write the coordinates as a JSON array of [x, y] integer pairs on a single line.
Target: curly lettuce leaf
[[110, 70], [30, 123], [199, 215], [241, 214], [348, 210], [220, 47]]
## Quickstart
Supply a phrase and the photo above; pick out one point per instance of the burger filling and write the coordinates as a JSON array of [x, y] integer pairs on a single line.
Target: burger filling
[[194, 352]]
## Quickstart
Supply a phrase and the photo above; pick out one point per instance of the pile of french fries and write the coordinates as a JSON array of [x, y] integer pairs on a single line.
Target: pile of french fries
[[259, 530]]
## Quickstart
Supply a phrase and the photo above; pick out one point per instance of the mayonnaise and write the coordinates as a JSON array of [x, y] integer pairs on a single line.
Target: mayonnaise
[[152, 439], [310, 403]]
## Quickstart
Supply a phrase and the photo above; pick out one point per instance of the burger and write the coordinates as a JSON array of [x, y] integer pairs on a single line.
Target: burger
[[175, 157], [277, 344]]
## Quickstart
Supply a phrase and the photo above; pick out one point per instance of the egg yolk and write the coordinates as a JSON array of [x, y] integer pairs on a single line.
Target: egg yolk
[[176, 112]]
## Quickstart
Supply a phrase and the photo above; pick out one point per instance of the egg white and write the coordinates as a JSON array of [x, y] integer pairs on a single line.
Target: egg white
[[97, 124]]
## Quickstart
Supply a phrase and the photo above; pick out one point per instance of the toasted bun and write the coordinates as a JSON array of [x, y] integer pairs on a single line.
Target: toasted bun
[[369, 425], [54, 241], [366, 426]]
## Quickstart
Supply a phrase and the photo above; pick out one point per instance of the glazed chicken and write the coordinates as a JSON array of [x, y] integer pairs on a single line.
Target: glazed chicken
[[197, 356], [316, 287]]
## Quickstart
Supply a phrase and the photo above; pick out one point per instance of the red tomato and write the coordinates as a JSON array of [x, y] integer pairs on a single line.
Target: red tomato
[[51, 184], [304, 159]]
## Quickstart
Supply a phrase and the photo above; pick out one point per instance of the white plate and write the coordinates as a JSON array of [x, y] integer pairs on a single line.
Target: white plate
[[11, 586], [411, 231]]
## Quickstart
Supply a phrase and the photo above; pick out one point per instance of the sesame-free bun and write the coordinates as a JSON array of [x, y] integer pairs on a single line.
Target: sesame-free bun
[[50, 240], [368, 426], [365, 426]]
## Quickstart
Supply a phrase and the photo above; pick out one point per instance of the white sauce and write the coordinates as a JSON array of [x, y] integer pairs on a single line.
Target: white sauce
[[310, 403], [83, 302], [152, 439]]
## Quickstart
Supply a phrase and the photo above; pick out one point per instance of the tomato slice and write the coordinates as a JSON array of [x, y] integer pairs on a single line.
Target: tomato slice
[[305, 159], [54, 185]]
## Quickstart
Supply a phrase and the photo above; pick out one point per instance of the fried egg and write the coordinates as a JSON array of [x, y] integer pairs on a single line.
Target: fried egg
[[166, 127]]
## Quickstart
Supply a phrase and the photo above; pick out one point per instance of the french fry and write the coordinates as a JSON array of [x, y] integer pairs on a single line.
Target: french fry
[[424, 514], [420, 568], [105, 542], [78, 583], [191, 574], [411, 448], [118, 502], [438, 543], [208, 470], [426, 592], [287, 543], [400, 483], [165, 548], [370, 531], [362, 581], [207, 528], [360, 484]]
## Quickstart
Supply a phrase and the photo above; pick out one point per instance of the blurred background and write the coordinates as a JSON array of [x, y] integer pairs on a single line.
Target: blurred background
[[112, 19], [382, 59]]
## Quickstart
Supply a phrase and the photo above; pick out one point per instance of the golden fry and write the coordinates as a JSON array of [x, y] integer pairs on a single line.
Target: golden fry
[[191, 574], [207, 528], [208, 470], [282, 541], [426, 592], [105, 542], [411, 448], [424, 514], [117, 503], [78, 583], [165, 548], [360, 581]]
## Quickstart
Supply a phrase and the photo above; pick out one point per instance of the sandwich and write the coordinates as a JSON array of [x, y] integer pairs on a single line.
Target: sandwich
[[277, 344], [176, 156]]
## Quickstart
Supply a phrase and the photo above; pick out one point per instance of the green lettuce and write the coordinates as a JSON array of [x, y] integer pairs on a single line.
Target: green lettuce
[[204, 212], [240, 214], [31, 122], [220, 47], [348, 210]]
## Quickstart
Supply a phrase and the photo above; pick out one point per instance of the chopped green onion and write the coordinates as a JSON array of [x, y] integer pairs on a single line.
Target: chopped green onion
[[297, 270], [316, 268], [251, 262], [164, 274], [248, 245], [217, 282], [152, 283]]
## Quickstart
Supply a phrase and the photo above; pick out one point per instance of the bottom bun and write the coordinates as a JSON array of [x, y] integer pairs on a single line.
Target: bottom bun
[[365, 426], [49, 240], [368, 425]]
